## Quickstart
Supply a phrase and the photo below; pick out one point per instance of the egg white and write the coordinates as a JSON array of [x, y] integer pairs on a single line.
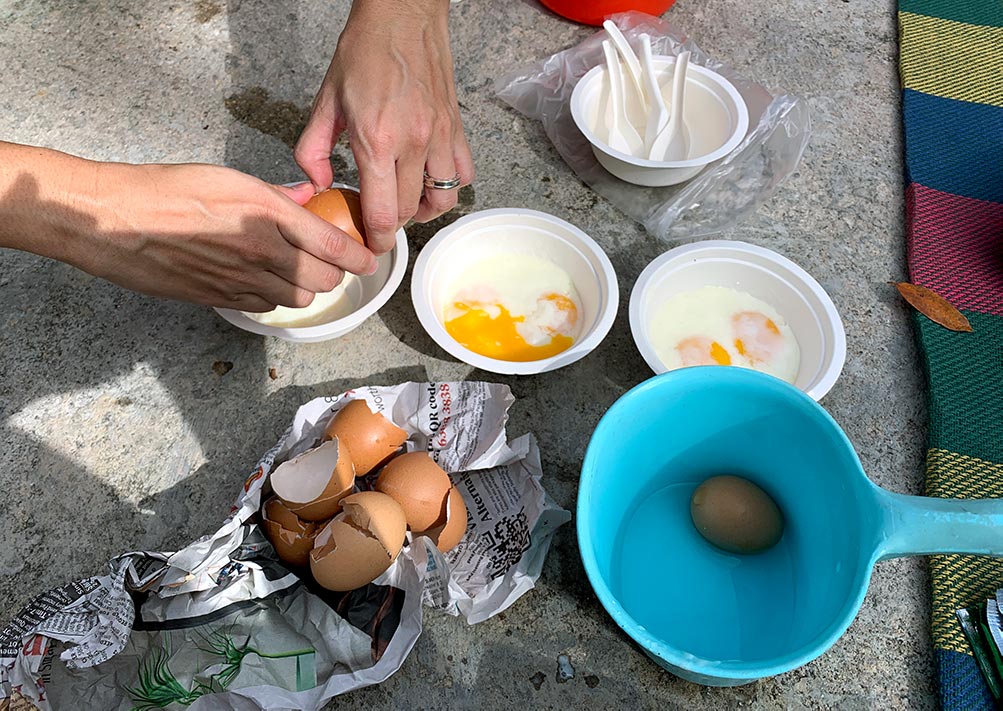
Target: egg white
[[707, 312]]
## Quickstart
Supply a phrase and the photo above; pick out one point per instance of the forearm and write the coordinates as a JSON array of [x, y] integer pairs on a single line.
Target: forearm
[[45, 198]]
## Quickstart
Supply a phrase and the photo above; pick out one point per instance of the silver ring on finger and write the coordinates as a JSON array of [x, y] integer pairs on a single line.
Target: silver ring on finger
[[440, 183]]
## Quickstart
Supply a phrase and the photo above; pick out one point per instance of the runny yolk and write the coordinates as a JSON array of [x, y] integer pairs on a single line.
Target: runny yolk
[[699, 350], [490, 330], [757, 337]]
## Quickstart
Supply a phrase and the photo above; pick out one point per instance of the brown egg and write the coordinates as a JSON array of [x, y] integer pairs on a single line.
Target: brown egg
[[419, 485], [343, 209], [370, 437], [291, 537], [736, 515], [449, 531], [360, 543], [313, 484]]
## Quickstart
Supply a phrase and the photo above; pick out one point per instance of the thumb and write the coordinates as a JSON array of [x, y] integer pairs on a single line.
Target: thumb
[[299, 193]]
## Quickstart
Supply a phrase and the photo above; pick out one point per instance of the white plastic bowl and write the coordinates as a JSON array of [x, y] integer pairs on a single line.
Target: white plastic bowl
[[367, 295], [714, 112], [505, 231], [778, 281]]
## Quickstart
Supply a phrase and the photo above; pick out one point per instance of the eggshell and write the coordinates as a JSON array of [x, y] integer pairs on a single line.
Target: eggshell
[[343, 209], [380, 515], [370, 437], [313, 484], [360, 543], [292, 538], [448, 534], [419, 485]]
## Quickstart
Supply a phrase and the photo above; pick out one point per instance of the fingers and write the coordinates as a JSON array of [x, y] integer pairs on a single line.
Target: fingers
[[379, 195], [270, 291], [324, 241], [409, 185], [313, 149], [463, 158], [442, 164], [307, 272]]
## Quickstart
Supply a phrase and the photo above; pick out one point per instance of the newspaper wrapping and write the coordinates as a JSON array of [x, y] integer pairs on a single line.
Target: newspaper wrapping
[[222, 624]]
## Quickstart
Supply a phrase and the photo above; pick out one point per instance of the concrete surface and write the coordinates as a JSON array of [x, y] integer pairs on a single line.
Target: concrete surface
[[118, 435]]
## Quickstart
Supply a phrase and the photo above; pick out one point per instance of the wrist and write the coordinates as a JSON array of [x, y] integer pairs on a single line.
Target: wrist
[[398, 17]]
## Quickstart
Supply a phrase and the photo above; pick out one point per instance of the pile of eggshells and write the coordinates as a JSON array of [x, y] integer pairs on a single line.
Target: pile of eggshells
[[348, 538]]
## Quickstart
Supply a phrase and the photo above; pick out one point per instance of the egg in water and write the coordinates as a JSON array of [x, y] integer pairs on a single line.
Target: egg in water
[[715, 325], [513, 307]]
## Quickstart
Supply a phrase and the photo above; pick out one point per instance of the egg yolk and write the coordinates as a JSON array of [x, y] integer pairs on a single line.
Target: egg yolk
[[492, 331], [698, 350], [757, 337]]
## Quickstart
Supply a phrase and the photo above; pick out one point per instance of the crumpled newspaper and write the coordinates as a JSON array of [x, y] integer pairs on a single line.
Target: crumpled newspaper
[[222, 624]]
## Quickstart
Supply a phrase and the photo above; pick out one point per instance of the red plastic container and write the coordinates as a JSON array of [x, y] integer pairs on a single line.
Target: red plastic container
[[593, 12]]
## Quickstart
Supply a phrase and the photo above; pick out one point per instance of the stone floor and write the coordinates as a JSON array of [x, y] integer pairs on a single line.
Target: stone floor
[[118, 435]]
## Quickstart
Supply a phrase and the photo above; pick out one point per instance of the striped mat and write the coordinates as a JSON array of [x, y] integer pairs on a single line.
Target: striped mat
[[951, 64]]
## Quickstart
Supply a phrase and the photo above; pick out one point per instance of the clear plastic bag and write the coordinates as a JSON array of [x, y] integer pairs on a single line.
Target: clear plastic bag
[[722, 194]]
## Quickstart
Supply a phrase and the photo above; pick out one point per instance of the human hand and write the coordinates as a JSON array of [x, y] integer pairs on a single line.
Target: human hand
[[212, 236], [390, 85]]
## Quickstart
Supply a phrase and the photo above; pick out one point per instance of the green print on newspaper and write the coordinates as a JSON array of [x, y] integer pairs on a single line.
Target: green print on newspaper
[[158, 687]]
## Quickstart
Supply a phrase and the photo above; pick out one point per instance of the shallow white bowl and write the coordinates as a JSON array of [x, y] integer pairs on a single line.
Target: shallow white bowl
[[778, 281], [505, 231], [714, 112], [367, 295]]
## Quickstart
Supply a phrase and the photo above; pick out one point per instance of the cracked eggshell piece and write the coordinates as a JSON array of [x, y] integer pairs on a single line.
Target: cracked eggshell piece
[[313, 484], [419, 485], [370, 437], [448, 534], [360, 543], [291, 537]]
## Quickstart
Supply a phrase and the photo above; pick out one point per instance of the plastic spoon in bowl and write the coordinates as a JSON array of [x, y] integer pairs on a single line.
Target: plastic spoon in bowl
[[630, 59], [623, 137], [658, 113], [673, 142]]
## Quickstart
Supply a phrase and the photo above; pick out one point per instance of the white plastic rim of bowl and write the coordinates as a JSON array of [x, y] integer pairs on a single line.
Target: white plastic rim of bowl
[[390, 270], [503, 231], [643, 171], [758, 271]]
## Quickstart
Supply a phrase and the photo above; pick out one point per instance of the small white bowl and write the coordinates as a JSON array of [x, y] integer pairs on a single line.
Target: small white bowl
[[366, 294], [778, 281], [506, 231], [714, 111]]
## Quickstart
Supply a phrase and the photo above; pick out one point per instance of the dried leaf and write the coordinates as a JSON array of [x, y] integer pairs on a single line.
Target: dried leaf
[[273, 374], [934, 306], [222, 367]]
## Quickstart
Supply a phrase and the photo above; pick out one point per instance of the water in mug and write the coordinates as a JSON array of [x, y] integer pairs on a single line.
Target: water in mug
[[672, 581]]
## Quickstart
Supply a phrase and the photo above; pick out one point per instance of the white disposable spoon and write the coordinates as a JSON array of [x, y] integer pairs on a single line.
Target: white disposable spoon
[[658, 113], [623, 136], [630, 59], [673, 142]]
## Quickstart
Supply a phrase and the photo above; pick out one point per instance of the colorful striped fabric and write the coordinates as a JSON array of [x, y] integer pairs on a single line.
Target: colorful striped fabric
[[951, 62]]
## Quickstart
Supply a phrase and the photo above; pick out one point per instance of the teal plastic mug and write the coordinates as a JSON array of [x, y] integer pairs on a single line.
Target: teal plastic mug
[[723, 619]]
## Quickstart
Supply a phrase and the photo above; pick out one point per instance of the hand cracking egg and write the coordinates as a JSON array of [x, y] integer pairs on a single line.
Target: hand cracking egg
[[715, 325], [343, 209]]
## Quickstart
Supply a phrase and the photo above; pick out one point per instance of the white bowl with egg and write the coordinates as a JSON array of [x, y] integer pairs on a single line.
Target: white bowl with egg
[[333, 314], [742, 279], [714, 113], [515, 252]]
